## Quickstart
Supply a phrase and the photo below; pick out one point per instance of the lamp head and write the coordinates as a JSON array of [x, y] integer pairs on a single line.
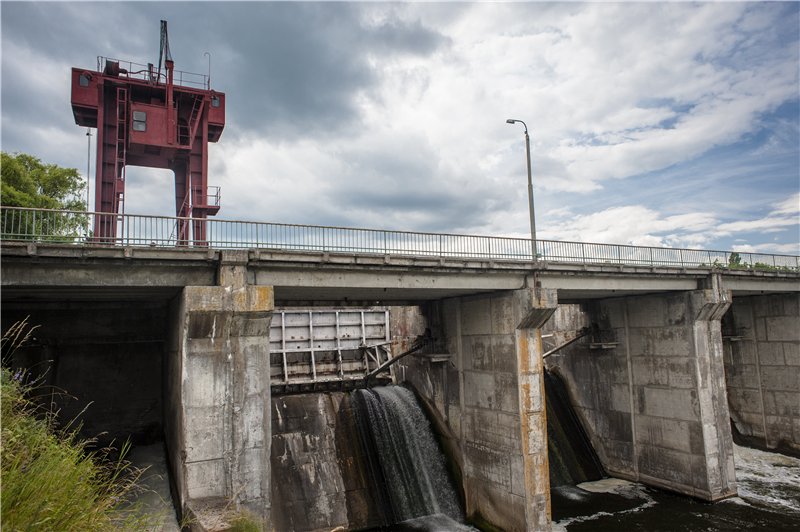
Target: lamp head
[[511, 121]]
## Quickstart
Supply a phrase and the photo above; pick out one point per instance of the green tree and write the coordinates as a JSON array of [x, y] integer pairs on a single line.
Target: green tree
[[28, 182], [735, 261]]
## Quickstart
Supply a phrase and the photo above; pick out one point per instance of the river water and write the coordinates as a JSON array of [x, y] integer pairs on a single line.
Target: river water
[[769, 499]]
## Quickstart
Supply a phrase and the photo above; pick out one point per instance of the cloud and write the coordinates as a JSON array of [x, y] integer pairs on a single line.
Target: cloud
[[666, 123], [632, 224], [784, 215], [790, 205], [642, 226], [768, 248]]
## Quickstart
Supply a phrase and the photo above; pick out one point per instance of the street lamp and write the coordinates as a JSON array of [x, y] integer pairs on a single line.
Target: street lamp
[[530, 187]]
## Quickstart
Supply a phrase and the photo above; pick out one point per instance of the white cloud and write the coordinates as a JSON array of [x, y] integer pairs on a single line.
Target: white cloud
[[768, 248], [784, 215], [640, 225], [610, 92], [790, 205], [633, 224]]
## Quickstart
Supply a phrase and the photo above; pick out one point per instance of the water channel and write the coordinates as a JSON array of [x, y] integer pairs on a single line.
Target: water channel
[[769, 499]]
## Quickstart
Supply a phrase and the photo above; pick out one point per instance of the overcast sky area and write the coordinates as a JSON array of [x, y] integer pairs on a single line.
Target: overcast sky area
[[669, 124]]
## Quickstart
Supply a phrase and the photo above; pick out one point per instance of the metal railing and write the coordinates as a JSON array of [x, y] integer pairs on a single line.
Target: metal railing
[[75, 227], [181, 78]]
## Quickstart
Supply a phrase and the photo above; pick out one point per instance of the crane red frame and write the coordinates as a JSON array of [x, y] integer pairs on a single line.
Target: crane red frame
[[144, 118]]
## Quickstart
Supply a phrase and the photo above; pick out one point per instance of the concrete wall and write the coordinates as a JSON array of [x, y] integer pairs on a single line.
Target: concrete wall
[[654, 403], [319, 474], [489, 399], [218, 412], [103, 361], [762, 369]]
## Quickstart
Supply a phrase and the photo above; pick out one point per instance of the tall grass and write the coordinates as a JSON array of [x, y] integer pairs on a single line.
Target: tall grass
[[50, 480]]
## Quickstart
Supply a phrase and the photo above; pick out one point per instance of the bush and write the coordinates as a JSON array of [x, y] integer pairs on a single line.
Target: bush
[[50, 481]]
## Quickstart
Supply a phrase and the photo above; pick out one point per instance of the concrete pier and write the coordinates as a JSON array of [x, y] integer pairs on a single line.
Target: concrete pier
[[491, 402], [218, 417], [761, 337], [654, 400]]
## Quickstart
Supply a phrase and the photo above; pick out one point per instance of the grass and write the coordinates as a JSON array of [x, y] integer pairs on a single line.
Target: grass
[[50, 480]]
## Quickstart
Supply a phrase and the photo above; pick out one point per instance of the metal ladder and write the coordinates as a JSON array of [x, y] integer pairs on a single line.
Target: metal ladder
[[120, 156], [189, 130]]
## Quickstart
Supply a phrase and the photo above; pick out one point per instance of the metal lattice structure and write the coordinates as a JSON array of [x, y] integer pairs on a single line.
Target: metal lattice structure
[[146, 117]]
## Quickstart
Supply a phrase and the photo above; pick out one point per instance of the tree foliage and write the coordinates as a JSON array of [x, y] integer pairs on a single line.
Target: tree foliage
[[29, 182]]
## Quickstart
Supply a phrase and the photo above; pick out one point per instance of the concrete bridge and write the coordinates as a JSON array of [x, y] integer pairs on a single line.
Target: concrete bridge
[[172, 340]]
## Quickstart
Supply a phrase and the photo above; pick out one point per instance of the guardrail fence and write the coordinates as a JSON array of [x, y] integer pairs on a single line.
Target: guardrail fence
[[75, 227]]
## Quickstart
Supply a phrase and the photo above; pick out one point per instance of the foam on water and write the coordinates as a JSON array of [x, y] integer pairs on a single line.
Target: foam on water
[[769, 499], [768, 479]]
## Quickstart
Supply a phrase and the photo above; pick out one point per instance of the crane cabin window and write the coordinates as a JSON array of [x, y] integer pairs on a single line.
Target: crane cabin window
[[139, 121]]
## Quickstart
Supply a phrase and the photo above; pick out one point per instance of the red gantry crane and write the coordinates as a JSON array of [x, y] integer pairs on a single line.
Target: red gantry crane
[[146, 117]]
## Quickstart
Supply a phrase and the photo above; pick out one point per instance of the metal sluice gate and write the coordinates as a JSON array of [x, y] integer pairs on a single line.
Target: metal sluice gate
[[328, 349]]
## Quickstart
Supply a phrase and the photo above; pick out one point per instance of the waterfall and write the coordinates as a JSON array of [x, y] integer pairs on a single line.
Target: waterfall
[[405, 460], [570, 453]]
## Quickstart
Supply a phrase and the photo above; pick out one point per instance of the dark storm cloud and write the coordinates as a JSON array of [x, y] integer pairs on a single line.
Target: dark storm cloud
[[395, 35], [297, 69], [405, 185], [288, 69], [40, 42]]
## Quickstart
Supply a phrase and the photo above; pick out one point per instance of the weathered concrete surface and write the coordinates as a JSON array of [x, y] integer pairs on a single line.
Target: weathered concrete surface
[[103, 360], [319, 471], [762, 369], [654, 404], [218, 418], [156, 500], [489, 398]]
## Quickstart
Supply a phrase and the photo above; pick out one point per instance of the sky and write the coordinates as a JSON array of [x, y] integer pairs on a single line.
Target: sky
[[664, 124]]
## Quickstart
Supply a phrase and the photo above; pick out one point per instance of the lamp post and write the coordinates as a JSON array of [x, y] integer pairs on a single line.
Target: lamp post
[[530, 187], [208, 80]]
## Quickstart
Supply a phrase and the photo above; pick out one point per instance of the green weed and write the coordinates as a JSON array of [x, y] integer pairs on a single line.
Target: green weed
[[50, 480]]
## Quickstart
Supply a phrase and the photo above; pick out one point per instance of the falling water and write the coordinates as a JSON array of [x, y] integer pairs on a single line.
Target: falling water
[[404, 456], [570, 453]]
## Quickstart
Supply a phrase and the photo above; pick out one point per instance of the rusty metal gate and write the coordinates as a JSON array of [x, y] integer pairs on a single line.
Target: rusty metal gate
[[327, 349]]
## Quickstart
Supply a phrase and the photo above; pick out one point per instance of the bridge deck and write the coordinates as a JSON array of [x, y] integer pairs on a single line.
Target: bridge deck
[[354, 278]]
